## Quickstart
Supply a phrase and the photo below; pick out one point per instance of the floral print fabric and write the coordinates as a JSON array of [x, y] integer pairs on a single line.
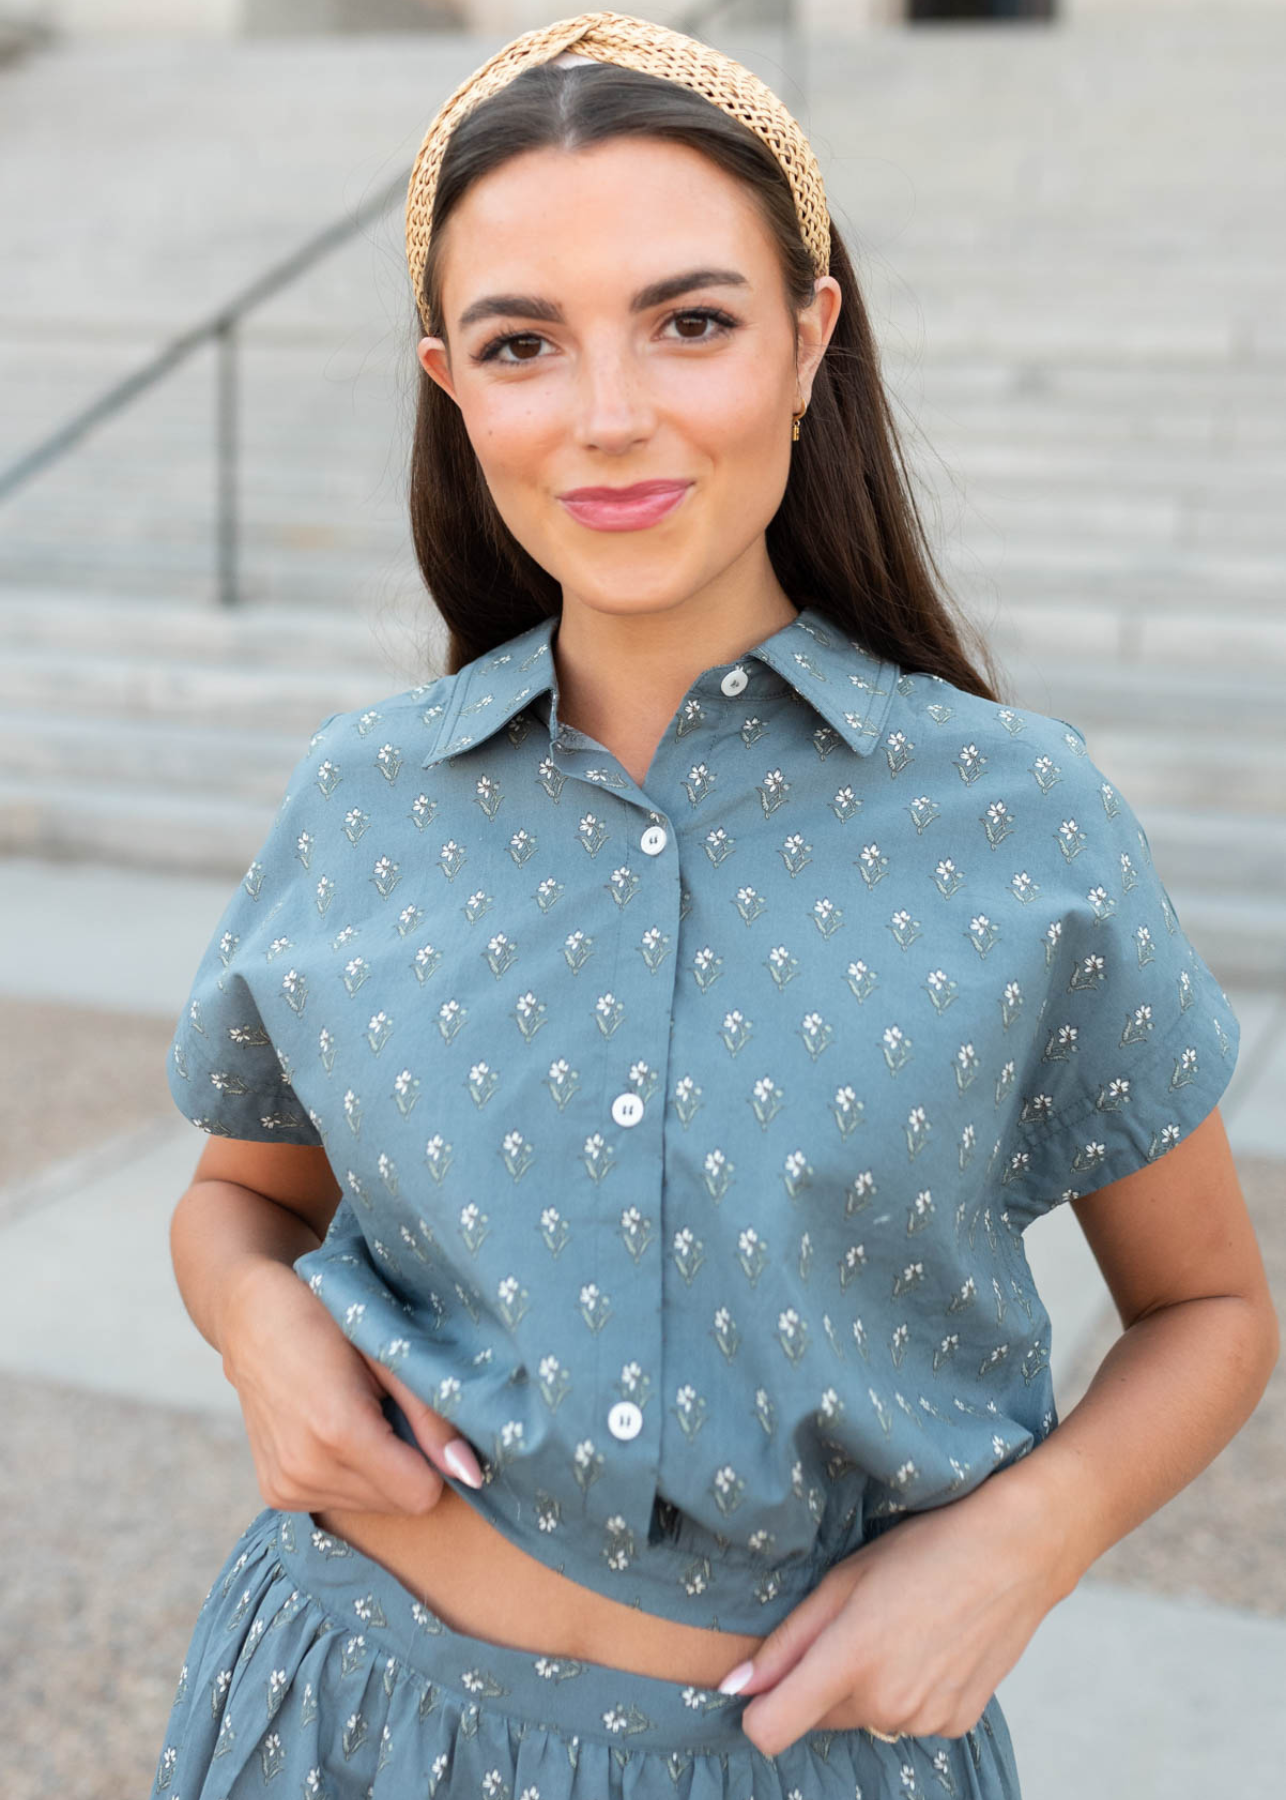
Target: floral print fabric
[[688, 1130], [314, 1674]]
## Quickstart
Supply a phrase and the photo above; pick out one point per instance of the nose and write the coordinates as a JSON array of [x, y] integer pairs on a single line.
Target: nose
[[613, 405]]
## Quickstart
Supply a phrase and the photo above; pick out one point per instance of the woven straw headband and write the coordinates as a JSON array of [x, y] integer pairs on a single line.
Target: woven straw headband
[[632, 43]]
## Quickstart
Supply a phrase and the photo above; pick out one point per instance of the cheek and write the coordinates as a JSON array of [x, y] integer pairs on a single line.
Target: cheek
[[743, 430], [514, 438], [734, 406], [736, 417]]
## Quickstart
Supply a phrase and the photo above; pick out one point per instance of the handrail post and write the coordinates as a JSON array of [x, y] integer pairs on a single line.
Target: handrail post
[[226, 459]]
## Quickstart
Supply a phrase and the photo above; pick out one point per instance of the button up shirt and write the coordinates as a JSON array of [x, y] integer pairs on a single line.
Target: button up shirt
[[688, 1130]]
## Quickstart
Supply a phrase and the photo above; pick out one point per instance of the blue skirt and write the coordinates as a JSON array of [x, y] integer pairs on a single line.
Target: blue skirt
[[314, 1674]]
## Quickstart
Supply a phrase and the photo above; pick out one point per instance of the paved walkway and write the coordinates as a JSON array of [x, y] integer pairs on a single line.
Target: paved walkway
[[94, 1324]]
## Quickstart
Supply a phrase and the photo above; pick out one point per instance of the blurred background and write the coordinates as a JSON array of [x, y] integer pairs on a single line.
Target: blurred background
[[1067, 218]]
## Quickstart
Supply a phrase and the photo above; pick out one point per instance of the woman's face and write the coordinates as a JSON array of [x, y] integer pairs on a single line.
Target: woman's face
[[568, 374]]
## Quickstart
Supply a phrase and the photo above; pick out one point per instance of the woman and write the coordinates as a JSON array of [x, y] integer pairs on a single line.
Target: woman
[[634, 1054]]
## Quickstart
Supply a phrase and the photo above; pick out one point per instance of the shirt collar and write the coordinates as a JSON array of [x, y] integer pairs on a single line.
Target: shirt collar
[[849, 686]]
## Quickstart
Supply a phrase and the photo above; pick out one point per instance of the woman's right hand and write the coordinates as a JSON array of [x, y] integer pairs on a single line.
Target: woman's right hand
[[312, 1404]]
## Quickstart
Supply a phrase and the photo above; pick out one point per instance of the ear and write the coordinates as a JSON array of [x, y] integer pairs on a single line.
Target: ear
[[436, 362], [816, 323]]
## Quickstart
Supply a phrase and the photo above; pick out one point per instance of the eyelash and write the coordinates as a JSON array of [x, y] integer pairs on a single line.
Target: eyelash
[[716, 315]]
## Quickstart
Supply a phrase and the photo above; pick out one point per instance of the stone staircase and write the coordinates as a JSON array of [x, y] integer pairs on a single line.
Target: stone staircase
[[1061, 239]]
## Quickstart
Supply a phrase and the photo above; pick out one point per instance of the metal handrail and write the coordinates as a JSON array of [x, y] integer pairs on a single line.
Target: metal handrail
[[221, 326]]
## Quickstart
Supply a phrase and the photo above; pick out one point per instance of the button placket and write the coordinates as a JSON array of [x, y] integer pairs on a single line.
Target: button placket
[[627, 1434]]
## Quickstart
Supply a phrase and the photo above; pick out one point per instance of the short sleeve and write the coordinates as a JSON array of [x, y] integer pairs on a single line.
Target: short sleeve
[[1135, 1040], [224, 1072]]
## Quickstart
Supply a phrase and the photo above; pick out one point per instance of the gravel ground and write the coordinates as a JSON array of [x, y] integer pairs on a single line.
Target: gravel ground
[[105, 1071], [125, 1510], [124, 1513]]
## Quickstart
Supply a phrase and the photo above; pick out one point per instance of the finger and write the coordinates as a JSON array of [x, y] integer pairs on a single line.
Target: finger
[[822, 1678], [344, 1490], [432, 1432], [398, 1471], [315, 1478], [321, 1472], [783, 1646]]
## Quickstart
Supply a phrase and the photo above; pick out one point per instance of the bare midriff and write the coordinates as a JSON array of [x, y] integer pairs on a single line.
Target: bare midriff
[[480, 1583]]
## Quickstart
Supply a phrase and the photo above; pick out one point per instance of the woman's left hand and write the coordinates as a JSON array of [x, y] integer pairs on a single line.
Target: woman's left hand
[[912, 1633]]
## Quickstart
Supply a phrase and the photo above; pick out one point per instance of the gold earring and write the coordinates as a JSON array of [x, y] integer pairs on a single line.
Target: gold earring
[[796, 417]]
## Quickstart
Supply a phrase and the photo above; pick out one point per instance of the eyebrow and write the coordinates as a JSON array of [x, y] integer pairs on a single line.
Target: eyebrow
[[656, 293]]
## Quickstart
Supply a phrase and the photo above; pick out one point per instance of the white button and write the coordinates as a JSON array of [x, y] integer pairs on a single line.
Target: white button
[[734, 681], [625, 1420], [627, 1109], [654, 840]]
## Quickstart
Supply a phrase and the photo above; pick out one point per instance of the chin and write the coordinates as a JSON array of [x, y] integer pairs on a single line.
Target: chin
[[630, 602]]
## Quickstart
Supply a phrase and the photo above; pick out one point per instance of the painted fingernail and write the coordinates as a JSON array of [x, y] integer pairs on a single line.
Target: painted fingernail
[[461, 1461], [736, 1679]]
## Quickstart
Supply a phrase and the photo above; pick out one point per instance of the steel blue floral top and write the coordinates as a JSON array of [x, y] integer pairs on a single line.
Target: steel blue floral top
[[687, 1132]]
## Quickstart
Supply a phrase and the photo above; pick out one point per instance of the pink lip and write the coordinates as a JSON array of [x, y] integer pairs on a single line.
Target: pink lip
[[624, 509]]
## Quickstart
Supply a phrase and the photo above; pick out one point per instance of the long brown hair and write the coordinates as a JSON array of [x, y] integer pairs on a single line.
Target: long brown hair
[[847, 537]]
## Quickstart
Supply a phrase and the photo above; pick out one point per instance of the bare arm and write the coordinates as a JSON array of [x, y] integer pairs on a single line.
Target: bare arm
[[1180, 1257], [312, 1401], [248, 1205]]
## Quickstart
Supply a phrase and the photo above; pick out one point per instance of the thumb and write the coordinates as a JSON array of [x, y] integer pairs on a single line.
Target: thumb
[[786, 1643], [439, 1439]]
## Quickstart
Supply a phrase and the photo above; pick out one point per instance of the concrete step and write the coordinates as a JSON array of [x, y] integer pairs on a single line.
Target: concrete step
[[133, 828], [1044, 466], [1148, 641], [121, 687], [181, 519], [1241, 936], [329, 575], [1228, 773], [1121, 523], [1195, 706], [1212, 852], [198, 761], [1160, 576], [85, 623]]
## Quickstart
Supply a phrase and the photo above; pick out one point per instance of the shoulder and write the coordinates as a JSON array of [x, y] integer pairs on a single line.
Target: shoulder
[[409, 715], [943, 725], [383, 733], [352, 756], [1023, 779], [937, 712]]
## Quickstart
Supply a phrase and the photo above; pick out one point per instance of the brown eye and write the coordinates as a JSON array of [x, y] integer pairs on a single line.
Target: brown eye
[[704, 315], [713, 316], [491, 351]]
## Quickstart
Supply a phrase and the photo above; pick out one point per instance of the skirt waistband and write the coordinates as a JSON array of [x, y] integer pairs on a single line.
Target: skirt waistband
[[573, 1695]]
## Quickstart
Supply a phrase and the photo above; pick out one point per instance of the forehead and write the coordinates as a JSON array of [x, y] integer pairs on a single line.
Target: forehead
[[625, 205]]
